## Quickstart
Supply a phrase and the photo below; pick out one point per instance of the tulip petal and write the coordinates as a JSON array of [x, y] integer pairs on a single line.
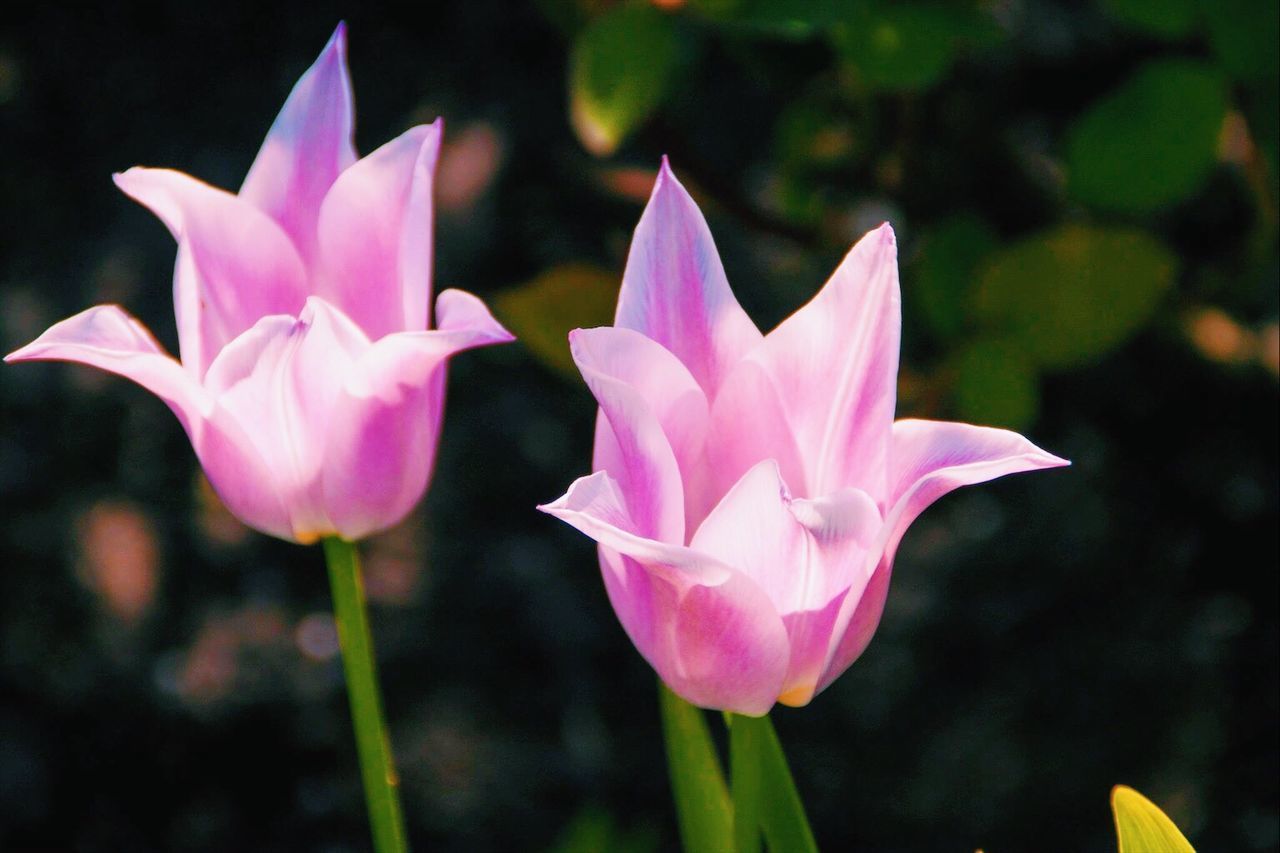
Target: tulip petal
[[109, 339], [807, 556], [833, 366], [674, 288], [930, 459], [386, 422], [234, 264], [710, 632], [665, 386], [375, 235], [279, 383], [635, 448], [308, 146]]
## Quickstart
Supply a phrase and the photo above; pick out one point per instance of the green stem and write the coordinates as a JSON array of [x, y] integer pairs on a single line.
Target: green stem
[[703, 809], [769, 799], [381, 785]]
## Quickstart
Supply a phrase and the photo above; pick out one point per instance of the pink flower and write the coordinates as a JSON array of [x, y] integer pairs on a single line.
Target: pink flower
[[310, 384], [750, 491]]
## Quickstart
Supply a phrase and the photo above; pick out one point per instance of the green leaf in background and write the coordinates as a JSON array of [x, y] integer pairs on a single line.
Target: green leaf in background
[[900, 46], [941, 273], [1141, 827], [1244, 35], [1152, 141], [542, 312], [703, 808], [594, 830], [793, 19], [1069, 295], [1168, 19], [621, 68], [996, 384]]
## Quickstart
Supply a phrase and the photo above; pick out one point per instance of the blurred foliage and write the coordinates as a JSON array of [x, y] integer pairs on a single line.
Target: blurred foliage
[[1085, 200], [1141, 827]]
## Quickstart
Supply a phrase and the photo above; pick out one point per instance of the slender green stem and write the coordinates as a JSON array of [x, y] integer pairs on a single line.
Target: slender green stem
[[769, 798], [381, 785], [703, 809], [746, 781]]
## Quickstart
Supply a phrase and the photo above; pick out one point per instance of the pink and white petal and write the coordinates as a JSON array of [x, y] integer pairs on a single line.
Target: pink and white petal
[[711, 634], [308, 146], [234, 263], [674, 288], [634, 448], [109, 339], [834, 365], [385, 425], [930, 459], [663, 383], [280, 382], [809, 632], [375, 235]]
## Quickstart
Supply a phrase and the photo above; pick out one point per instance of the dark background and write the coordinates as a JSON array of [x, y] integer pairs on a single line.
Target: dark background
[[168, 679]]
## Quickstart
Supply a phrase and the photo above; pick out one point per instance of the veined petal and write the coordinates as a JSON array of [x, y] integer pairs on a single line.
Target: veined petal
[[710, 632], [109, 339], [666, 387], [833, 366], [277, 386], [632, 441], [386, 422], [234, 263], [375, 235], [930, 459], [308, 146], [674, 288]]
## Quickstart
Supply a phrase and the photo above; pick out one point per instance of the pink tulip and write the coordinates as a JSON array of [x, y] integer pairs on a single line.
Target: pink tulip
[[310, 383], [750, 491]]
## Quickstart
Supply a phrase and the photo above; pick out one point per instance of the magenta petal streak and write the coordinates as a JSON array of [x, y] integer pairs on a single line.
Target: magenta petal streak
[[310, 381], [751, 490]]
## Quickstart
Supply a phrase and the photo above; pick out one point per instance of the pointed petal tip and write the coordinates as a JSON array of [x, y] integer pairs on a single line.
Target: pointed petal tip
[[338, 41]]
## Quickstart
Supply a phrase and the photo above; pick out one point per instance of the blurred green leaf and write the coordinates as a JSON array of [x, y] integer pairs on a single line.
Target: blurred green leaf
[[943, 269], [542, 312], [1169, 19], [817, 132], [594, 830], [796, 19], [996, 384], [1152, 141], [622, 66], [1141, 827], [1244, 35], [902, 46], [1069, 295]]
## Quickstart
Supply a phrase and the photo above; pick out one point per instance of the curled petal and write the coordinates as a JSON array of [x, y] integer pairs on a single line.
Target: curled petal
[[308, 146], [234, 264], [109, 339], [386, 422], [665, 386], [375, 235], [930, 459], [710, 632], [674, 289]]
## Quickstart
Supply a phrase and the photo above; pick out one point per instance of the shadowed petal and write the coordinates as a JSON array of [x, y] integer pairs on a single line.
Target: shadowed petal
[[234, 263], [385, 425], [930, 459], [107, 338], [375, 235], [833, 369], [665, 386], [674, 289], [712, 635], [308, 146]]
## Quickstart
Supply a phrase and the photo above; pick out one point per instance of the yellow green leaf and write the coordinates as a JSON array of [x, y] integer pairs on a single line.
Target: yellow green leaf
[[542, 312], [1141, 827]]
